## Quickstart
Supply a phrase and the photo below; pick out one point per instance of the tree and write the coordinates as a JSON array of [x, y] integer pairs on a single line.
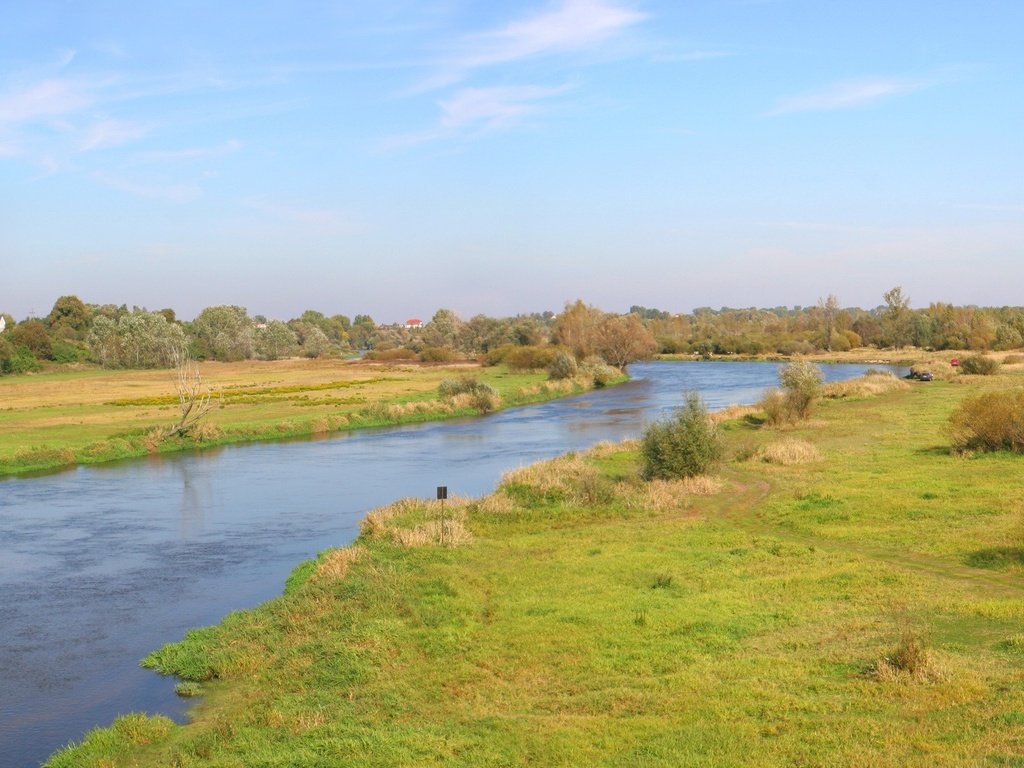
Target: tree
[[897, 318], [33, 335], [194, 397], [829, 308], [275, 340], [69, 313], [138, 339], [621, 339], [225, 332], [363, 332], [445, 329], [576, 328]]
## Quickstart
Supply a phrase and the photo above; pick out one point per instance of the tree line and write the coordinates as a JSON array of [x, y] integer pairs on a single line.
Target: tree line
[[119, 337]]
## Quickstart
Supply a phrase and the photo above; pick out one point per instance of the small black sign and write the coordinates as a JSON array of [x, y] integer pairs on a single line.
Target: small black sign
[[442, 492]]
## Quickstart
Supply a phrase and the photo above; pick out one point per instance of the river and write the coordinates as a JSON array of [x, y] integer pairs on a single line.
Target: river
[[100, 565]]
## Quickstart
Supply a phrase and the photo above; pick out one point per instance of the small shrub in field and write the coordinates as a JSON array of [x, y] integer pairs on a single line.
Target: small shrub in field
[[438, 355], [801, 383], [993, 421], [685, 445], [1013, 360], [483, 397], [801, 386], [911, 659], [979, 365], [774, 406], [563, 366]]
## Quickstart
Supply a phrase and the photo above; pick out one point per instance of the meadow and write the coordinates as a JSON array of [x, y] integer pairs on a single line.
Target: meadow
[[66, 417], [845, 591]]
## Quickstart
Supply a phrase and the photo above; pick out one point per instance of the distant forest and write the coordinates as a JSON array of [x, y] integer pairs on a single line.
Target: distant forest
[[119, 337]]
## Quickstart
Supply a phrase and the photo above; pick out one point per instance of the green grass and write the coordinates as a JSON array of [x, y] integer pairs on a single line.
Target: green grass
[[742, 628], [60, 419]]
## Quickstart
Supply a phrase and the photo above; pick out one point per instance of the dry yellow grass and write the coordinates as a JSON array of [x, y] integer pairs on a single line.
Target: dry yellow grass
[[413, 522], [865, 386], [337, 562], [671, 495], [788, 452], [569, 478], [732, 412]]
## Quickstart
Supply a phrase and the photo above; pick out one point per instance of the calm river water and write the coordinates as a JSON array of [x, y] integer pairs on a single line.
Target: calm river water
[[100, 565]]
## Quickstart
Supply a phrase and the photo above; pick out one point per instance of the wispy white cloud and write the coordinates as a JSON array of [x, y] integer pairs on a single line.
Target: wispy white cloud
[[108, 132], [849, 94], [174, 193], [50, 98], [487, 109], [569, 26], [191, 153], [472, 112]]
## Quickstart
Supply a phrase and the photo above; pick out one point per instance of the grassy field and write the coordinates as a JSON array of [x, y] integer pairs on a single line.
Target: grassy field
[[851, 597], [63, 418]]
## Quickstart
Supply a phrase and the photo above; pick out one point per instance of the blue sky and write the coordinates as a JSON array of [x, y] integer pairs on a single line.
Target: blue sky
[[394, 157]]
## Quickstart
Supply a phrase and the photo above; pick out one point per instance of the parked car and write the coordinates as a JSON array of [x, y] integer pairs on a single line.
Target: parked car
[[925, 376]]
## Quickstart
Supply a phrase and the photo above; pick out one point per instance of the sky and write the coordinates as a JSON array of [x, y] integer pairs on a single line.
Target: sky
[[396, 156]]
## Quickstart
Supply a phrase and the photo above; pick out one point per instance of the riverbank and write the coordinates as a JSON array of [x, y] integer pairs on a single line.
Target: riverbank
[[64, 418], [579, 616]]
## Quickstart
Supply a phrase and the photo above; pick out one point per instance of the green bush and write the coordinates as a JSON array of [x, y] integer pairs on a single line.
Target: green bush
[[68, 352], [684, 445], [979, 365], [598, 371], [14, 358], [801, 385], [563, 366], [774, 406], [449, 388], [993, 421]]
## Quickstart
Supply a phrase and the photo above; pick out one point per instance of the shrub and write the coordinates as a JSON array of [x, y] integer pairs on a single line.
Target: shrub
[[910, 659], [438, 355], [386, 355], [598, 371], [530, 358], [497, 355], [774, 406], [979, 365], [69, 352], [563, 366], [801, 383], [1013, 359], [684, 445], [993, 421], [15, 358], [480, 396]]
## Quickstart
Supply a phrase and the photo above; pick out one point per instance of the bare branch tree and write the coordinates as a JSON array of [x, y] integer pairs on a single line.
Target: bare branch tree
[[194, 396]]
